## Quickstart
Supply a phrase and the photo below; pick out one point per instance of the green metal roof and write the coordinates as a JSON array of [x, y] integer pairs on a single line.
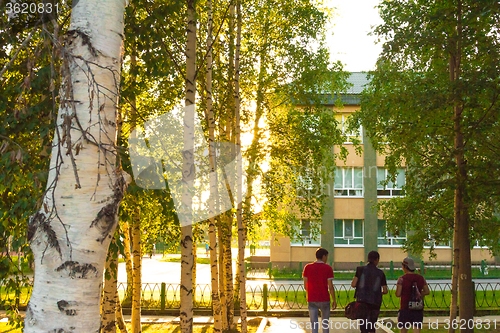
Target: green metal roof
[[358, 80]]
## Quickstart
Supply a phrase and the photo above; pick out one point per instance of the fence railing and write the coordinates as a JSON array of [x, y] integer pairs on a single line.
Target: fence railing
[[269, 297], [392, 271], [278, 297]]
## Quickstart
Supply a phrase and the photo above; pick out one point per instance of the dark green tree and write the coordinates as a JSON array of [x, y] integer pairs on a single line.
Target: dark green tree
[[432, 105]]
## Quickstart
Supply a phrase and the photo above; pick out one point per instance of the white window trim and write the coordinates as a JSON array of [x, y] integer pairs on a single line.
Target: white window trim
[[354, 237], [349, 136], [388, 188], [477, 246], [391, 238], [438, 246], [343, 188], [297, 244]]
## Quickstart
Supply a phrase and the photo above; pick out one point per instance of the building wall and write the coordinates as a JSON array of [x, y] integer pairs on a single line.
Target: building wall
[[347, 257], [349, 208], [280, 250]]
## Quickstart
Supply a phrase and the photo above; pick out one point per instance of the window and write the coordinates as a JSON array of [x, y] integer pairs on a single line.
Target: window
[[386, 238], [343, 124], [348, 232], [391, 189], [480, 244], [309, 234], [446, 244], [348, 182]]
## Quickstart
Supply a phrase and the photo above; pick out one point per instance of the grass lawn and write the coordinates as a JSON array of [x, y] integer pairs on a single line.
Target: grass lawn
[[253, 324], [199, 260], [294, 274]]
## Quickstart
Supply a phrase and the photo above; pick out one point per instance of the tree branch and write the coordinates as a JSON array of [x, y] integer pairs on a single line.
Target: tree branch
[[23, 45]]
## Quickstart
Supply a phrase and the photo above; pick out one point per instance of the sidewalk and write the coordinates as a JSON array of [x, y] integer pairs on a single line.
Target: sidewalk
[[302, 325], [387, 324]]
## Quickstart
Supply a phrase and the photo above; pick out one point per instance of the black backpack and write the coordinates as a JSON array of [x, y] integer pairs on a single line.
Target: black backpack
[[368, 286]]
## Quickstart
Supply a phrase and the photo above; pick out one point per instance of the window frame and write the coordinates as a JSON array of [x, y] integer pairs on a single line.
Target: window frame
[[354, 237], [390, 189], [348, 189], [312, 243], [388, 236], [437, 246], [342, 121]]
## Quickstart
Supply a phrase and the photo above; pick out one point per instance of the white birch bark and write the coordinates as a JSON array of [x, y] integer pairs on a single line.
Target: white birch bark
[[70, 234], [188, 174], [137, 273], [228, 216], [110, 294], [213, 180], [239, 177], [128, 262], [222, 272]]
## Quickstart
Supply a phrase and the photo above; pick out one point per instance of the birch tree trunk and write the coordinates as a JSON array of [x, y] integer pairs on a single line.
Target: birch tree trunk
[[195, 256], [188, 173], [119, 315], [71, 233], [137, 273], [228, 262], [110, 295], [214, 193], [228, 216], [239, 176], [222, 273], [128, 261]]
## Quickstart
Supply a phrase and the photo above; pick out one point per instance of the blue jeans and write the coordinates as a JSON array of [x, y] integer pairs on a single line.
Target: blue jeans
[[314, 308]]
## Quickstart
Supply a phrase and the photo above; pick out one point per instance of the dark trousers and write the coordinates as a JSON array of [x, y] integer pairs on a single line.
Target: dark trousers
[[371, 317]]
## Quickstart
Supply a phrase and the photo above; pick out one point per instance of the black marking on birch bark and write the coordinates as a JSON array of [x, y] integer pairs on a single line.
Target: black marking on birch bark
[[33, 222], [85, 40], [189, 291], [52, 241], [63, 305], [109, 326], [186, 239], [75, 270], [107, 218]]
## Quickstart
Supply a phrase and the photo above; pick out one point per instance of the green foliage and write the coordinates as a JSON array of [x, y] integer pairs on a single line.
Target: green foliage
[[408, 113], [28, 102], [283, 46]]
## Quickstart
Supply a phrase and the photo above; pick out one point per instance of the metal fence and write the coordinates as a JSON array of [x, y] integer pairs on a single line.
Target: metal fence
[[278, 297], [270, 297], [268, 270]]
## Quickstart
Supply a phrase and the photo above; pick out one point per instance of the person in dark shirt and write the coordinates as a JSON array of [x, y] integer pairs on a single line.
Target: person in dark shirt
[[370, 284], [410, 318], [318, 280]]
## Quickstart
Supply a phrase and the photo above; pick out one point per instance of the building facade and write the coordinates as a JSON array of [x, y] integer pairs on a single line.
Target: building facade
[[350, 226]]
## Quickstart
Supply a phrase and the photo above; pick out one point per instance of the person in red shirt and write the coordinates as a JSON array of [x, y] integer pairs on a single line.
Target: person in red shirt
[[318, 281], [410, 318]]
